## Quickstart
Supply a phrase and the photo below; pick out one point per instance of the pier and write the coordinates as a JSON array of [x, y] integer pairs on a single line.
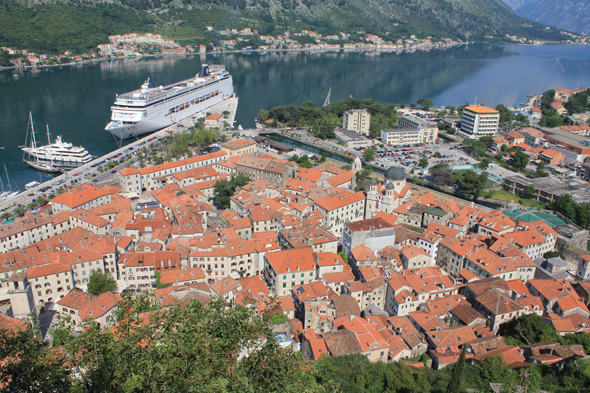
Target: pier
[[82, 173]]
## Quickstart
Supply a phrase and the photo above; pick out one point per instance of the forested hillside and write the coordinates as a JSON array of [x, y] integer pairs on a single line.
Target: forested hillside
[[81, 25], [59, 27]]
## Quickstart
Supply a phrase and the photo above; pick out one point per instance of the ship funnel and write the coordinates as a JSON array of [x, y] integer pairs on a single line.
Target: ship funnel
[[204, 72]]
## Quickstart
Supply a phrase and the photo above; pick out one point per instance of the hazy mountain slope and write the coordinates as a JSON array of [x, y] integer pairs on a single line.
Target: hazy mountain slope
[[514, 4], [565, 14]]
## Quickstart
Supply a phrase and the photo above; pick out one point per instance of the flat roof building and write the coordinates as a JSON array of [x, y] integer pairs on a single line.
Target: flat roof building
[[351, 139], [409, 136], [358, 120], [479, 121]]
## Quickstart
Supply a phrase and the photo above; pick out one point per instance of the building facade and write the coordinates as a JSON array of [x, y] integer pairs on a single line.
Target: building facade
[[479, 121]]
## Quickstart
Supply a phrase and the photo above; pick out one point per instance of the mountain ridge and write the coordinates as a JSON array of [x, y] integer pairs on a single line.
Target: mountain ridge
[[33, 23], [565, 14]]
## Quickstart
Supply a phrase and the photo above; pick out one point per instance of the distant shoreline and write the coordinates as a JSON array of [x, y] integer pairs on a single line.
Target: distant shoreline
[[114, 58]]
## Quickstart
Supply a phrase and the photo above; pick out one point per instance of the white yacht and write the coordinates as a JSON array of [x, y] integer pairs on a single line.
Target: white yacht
[[54, 155], [153, 108]]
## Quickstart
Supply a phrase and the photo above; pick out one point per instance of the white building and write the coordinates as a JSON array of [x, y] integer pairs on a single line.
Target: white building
[[479, 121], [358, 120]]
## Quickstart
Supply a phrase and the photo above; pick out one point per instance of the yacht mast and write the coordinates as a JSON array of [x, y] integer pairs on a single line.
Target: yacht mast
[[33, 139], [48, 135], [8, 179]]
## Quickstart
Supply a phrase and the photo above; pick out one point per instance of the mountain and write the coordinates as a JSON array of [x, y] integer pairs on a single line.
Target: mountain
[[80, 25], [565, 14]]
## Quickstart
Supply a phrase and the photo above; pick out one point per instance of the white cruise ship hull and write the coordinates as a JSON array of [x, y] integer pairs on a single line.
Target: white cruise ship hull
[[133, 114]]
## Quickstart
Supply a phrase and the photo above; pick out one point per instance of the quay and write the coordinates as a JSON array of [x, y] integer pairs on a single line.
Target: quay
[[82, 173]]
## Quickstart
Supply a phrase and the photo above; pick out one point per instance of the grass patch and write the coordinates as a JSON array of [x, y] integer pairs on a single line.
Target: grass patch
[[505, 196], [415, 229]]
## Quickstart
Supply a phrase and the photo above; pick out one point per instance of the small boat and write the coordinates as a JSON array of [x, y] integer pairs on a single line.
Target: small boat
[[44, 167], [2, 147]]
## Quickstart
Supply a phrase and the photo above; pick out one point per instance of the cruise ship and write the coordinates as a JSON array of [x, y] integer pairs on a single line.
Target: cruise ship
[[153, 108], [54, 155]]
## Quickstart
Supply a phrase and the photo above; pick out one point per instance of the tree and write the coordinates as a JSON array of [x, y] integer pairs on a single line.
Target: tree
[[520, 159], [100, 283], [6, 216], [530, 191], [540, 172], [471, 184], [454, 385], [528, 329], [564, 205], [484, 163], [506, 115], [425, 103], [499, 156], [413, 105], [437, 154], [553, 254], [193, 347], [29, 365], [344, 257], [488, 140], [423, 163], [223, 190], [442, 173], [20, 210], [369, 154], [493, 369]]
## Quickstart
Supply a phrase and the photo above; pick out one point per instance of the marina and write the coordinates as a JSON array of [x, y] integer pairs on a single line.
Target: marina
[[76, 101], [53, 157]]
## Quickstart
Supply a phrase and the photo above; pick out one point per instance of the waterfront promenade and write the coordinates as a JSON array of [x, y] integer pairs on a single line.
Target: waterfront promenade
[[82, 174]]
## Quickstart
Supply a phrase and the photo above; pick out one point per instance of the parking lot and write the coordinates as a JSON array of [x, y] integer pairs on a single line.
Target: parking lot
[[409, 157]]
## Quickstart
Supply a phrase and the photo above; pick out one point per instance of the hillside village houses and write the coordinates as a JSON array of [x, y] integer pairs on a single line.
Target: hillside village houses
[[415, 273]]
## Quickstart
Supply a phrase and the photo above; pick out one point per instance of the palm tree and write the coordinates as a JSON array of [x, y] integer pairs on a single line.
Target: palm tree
[[6, 216], [20, 210]]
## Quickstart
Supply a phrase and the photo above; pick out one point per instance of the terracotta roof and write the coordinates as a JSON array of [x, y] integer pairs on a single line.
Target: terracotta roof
[[80, 195], [364, 225], [238, 143], [309, 175], [453, 337], [342, 342], [9, 323], [47, 270], [76, 299], [181, 275], [480, 109], [225, 285], [187, 161], [100, 305], [291, 261], [337, 201]]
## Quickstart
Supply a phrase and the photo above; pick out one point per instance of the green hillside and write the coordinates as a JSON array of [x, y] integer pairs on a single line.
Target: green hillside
[[81, 25]]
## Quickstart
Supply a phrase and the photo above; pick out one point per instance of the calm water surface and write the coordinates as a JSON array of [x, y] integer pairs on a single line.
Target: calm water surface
[[75, 102]]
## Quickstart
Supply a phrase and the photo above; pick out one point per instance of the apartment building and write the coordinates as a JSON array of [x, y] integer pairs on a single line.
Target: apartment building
[[358, 120], [479, 121], [84, 196], [409, 136], [238, 147], [152, 178], [340, 209], [31, 229], [285, 269], [50, 282], [225, 258], [271, 171]]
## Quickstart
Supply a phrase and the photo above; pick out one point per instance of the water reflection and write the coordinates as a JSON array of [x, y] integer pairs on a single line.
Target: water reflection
[[76, 101]]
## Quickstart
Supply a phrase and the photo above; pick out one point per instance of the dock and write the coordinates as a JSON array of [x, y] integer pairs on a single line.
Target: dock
[[230, 105]]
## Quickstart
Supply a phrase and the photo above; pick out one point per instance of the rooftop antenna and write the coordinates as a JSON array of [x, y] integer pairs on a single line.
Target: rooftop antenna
[[327, 101], [475, 101]]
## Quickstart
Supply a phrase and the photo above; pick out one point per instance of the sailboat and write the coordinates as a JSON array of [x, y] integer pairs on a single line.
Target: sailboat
[[33, 160], [10, 193]]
